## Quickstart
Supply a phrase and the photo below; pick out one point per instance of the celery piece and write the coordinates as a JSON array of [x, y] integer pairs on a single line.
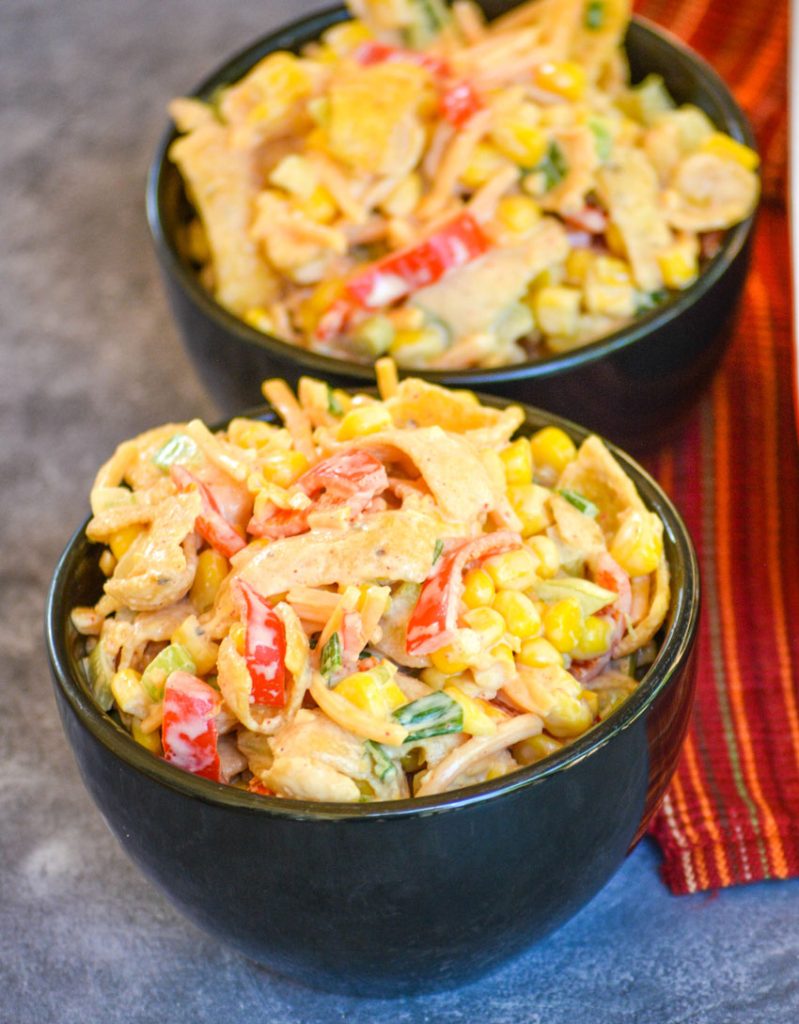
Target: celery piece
[[175, 658], [553, 166], [594, 17], [647, 301], [433, 715], [178, 449], [101, 672], [384, 766], [590, 597], [438, 549], [582, 504], [603, 140], [331, 655], [429, 18]]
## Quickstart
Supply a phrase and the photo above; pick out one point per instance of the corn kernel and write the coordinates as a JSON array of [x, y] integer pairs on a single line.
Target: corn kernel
[[261, 319], [536, 748], [211, 570], [450, 660], [570, 715], [107, 563], [483, 164], [577, 263], [557, 310], [200, 646], [546, 551], [487, 623], [323, 296], [615, 240], [512, 570], [552, 447], [520, 614], [517, 136], [365, 419], [404, 199], [591, 698], [564, 78], [296, 175], [638, 543], [320, 206], [122, 539], [518, 214], [130, 695], [723, 146], [538, 653], [594, 639], [415, 346], [478, 589], [435, 679], [149, 740], [608, 288], [375, 692], [679, 264], [529, 502], [476, 722], [563, 624], [282, 467], [345, 38], [503, 655], [238, 634], [517, 461]]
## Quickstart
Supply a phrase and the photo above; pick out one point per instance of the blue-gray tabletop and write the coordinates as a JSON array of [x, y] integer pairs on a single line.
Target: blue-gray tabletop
[[89, 356]]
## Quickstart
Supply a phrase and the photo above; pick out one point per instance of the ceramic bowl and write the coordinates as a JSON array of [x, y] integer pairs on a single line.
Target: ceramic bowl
[[401, 897], [632, 386]]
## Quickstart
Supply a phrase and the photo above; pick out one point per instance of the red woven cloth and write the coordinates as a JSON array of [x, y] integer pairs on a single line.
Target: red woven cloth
[[731, 814]]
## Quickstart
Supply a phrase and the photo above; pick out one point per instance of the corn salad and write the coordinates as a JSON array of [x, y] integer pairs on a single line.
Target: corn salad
[[421, 184], [377, 599]]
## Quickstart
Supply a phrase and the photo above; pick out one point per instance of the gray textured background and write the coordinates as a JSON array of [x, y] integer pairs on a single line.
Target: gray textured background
[[88, 356]]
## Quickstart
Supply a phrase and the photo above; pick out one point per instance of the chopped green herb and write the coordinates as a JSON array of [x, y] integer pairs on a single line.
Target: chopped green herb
[[438, 550], [554, 166], [331, 655], [647, 301], [178, 449], [334, 407], [588, 508], [603, 140], [428, 18], [384, 766], [435, 714], [594, 15]]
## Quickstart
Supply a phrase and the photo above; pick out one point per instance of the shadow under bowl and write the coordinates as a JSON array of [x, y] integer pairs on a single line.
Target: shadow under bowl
[[632, 386], [401, 897]]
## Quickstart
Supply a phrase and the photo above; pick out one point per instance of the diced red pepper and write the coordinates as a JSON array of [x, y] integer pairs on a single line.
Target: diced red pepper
[[264, 649], [256, 786], [400, 274], [211, 524], [188, 731], [381, 53], [434, 620], [459, 102], [351, 478]]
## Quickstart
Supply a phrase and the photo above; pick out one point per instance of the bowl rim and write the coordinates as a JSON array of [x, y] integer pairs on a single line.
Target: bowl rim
[[303, 30], [674, 652]]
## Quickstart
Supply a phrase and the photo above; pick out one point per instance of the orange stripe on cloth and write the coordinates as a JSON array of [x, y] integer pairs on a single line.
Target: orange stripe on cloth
[[772, 510], [694, 845], [706, 812], [730, 617]]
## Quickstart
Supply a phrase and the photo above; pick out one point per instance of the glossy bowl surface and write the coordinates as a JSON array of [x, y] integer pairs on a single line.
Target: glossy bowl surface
[[632, 386], [400, 897]]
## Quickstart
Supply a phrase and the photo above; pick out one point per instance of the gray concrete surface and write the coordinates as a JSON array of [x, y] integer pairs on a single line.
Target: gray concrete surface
[[88, 355]]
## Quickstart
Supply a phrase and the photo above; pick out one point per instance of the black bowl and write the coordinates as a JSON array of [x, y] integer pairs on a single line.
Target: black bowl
[[399, 897], [632, 386]]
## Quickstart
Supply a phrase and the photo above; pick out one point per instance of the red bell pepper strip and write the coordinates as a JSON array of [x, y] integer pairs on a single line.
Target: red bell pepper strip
[[398, 275], [188, 731], [351, 478], [458, 100], [211, 524], [434, 620], [264, 649]]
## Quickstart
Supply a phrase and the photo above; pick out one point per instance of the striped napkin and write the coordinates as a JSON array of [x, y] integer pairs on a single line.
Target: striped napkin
[[731, 814]]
